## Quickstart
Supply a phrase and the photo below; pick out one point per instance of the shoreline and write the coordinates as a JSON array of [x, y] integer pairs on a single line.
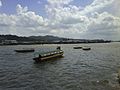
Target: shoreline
[[52, 43]]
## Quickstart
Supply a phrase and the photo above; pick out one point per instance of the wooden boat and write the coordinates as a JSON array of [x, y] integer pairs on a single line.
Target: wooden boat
[[86, 48], [49, 55], [24, 50], [77, 47]]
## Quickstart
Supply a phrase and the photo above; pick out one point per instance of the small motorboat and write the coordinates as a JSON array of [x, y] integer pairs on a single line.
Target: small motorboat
[[76, 47], [48, 55], [25, 50], [86, 48]]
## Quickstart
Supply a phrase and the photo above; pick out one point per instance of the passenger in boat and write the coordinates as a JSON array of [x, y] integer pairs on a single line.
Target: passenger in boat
[[58, 48], [40, 56]]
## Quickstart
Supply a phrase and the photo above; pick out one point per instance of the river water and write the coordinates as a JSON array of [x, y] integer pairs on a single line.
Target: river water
[[77, 70]]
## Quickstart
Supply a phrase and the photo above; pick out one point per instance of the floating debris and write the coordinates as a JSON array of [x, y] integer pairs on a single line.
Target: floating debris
[[101, 82]]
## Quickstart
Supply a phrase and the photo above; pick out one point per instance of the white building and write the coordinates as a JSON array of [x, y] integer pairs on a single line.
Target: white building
[[9, 42]]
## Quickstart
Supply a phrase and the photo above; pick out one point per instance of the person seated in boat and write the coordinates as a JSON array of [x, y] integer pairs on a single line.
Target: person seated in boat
[[58, 48], [40, 56]]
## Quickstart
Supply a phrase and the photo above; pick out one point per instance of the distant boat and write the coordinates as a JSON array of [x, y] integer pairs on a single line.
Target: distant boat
[[86, 48], [49, 55], [76, 47], [25, 50]]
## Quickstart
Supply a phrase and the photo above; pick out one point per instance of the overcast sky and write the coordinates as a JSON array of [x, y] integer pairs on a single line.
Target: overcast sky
[[89, 19]]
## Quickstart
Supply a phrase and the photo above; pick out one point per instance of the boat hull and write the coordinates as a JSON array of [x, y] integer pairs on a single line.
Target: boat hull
[[38, 59], [24, 51], [77, 47], [86, 49]]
